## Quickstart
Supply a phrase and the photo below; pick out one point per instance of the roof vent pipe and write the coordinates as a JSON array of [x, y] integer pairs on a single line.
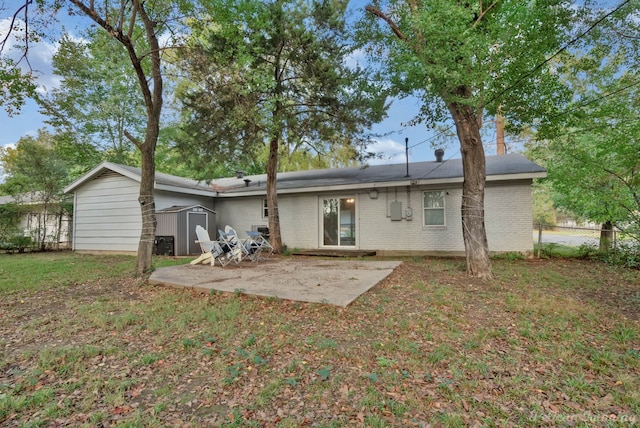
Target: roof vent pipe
[[239, 174], [406, 154], [439, 155]]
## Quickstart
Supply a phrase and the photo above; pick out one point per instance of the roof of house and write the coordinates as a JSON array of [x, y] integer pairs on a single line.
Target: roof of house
[[512, 166], [163, 181]]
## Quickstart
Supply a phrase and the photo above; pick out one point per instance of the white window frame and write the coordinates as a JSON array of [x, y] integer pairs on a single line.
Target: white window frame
[[443, 209], [265, 208]]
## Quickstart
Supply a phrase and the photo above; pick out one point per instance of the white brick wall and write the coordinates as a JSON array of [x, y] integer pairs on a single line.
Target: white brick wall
[[508, 219]]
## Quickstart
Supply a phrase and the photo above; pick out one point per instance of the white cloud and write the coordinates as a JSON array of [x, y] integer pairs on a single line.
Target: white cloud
[[390, 150]]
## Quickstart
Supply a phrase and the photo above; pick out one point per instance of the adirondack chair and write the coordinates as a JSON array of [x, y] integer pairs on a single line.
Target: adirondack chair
[[252, 247], [211, 250]]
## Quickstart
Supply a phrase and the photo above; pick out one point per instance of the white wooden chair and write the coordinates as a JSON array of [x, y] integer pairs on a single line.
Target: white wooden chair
[[211, 250]]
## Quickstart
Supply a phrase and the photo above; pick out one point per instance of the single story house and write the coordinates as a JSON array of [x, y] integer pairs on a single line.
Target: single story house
[[398, 209]]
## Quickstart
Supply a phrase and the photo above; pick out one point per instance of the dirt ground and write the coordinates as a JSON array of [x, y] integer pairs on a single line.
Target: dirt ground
[[426, 346]]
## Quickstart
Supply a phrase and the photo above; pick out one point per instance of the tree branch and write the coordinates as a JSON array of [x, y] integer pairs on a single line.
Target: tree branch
[[133, 139], [394, 27], [484, 12], [4, 41]]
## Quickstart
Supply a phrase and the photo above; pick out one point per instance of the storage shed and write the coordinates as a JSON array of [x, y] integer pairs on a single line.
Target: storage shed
[[176, 229]]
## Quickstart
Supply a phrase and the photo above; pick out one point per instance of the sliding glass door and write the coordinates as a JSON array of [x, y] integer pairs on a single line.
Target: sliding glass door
[[339, 221]]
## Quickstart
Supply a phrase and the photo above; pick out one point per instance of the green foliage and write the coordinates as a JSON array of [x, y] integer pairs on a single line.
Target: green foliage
[[10, 215], [276, 70], [543, 209], [36, 176], [438, 47], [98, 98], [591, 148], [15, 86]]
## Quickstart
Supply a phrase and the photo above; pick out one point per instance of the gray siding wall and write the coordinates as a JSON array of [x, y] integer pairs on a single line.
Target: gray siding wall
[[508, 219], [107, 215]]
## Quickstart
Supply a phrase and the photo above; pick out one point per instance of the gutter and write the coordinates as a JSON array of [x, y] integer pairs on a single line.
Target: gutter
[[379, 185]]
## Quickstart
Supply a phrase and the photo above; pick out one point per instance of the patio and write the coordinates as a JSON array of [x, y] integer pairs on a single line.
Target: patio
[[336, 282]]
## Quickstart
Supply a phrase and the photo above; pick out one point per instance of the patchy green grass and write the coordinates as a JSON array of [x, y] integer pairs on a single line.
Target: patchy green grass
[[39, 271], [84, 342]]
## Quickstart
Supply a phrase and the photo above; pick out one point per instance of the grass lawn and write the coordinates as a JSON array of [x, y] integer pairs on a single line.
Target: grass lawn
[[83, 342]]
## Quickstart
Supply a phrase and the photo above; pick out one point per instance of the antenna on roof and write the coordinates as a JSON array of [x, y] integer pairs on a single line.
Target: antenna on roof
[[406, 153]]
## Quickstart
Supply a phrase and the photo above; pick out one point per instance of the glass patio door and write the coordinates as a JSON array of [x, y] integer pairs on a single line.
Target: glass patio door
[[339, 221]]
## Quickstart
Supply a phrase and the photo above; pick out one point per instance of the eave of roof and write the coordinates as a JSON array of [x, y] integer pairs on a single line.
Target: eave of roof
[[499, 168], [166, 182]]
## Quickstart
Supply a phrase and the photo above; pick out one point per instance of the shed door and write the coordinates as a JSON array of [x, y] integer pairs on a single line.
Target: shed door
[[195, 219]]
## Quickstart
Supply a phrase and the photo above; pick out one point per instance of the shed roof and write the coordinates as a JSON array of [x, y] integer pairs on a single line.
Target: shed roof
[[512, 166], [163, 181], [180, 208]]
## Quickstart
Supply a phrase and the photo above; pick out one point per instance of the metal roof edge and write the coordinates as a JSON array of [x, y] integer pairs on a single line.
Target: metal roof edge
[[98, 170], [406, 182], [187, 190], [518, 176]]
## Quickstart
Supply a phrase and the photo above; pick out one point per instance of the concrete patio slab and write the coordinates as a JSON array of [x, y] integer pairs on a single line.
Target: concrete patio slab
[[337, 282]]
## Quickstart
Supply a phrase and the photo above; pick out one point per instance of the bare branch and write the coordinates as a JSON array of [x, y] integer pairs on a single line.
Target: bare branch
[[132, 21], [3, 43], [394, 27], [133, 139], [484, 12]]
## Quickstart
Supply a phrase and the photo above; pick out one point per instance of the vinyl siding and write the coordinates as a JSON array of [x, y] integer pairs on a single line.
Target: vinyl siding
[[107, 215]]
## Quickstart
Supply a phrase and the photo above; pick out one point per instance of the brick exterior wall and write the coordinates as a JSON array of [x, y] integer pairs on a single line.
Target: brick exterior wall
[[508, 219]]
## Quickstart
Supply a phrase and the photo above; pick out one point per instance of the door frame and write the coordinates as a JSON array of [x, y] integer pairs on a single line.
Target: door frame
[[356, 219]]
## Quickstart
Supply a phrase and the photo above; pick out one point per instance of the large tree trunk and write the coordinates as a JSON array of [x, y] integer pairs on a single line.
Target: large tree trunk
[[473, 166], [275, 238], [148, 211], [606, 236], [151, 88]]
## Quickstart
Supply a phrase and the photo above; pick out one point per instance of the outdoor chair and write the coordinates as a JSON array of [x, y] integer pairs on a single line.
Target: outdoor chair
[[211, 250], [250, 248], [259, 244], [232, 245]]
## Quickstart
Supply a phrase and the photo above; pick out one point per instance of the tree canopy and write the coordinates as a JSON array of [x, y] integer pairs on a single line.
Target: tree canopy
[[592, 148], [98, 99], [274, 75], [462, 59]]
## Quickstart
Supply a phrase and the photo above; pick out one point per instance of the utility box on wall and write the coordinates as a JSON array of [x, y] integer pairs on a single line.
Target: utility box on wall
[[395, 211]]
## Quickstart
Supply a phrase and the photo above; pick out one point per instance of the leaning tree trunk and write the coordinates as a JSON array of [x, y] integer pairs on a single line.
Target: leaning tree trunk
[[473, 167], [275, 238]]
